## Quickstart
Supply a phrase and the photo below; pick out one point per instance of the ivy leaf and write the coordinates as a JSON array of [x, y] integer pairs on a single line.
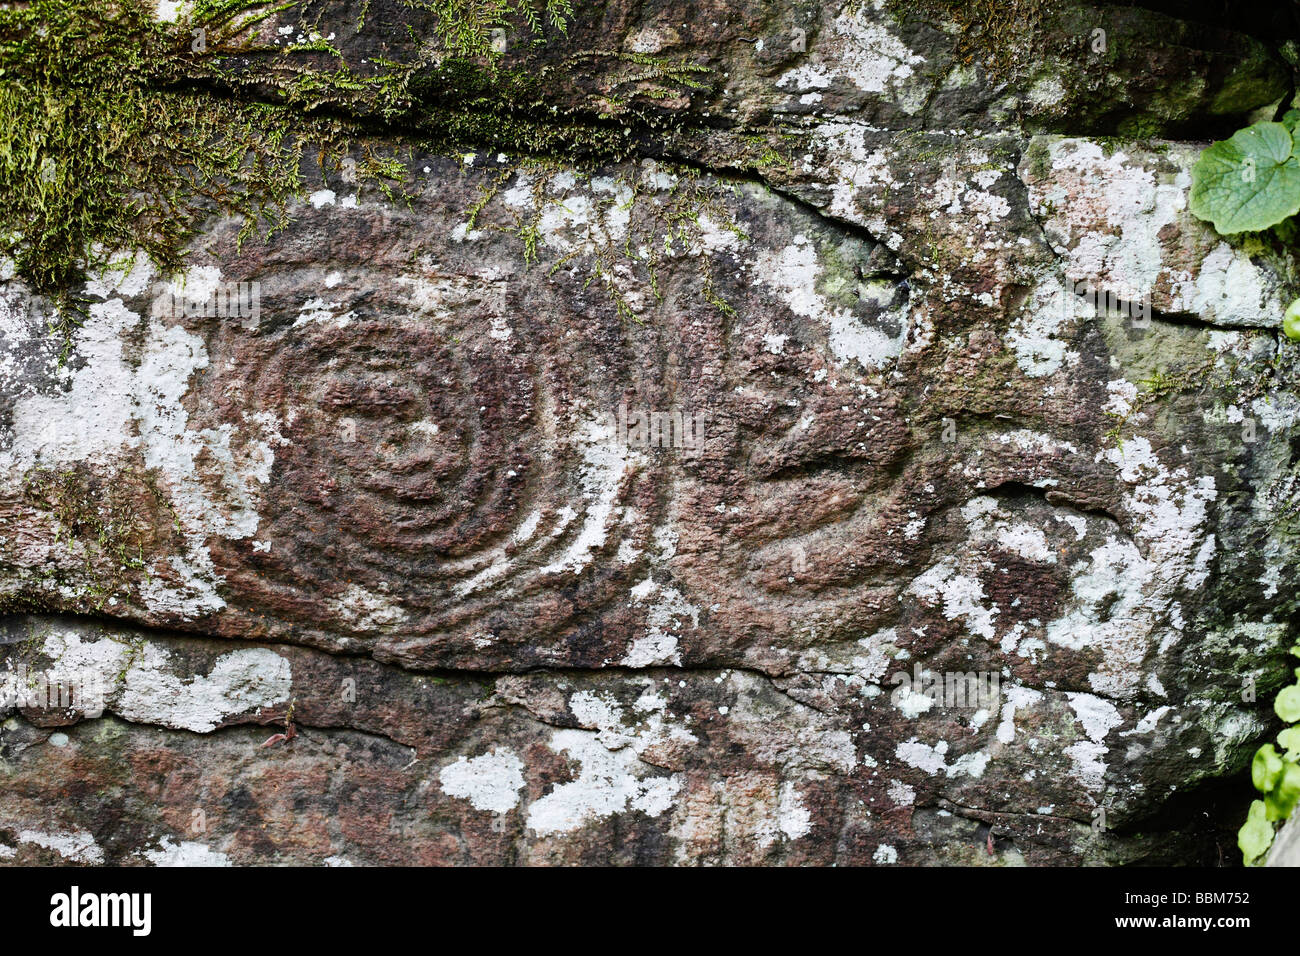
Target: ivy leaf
[[1291, 326], [1285, 795], [1290, 739], [1248, 182], [1287, 704], [1291, 119], [1266, 768], [1256, 834]]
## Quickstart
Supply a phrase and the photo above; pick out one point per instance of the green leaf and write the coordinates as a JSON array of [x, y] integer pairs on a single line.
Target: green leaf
[[1290, 119], [1248, 182], [1266, 768], [1291, 326], [1287, 704], [1256, 834], [1285, 795], [1290, 739]]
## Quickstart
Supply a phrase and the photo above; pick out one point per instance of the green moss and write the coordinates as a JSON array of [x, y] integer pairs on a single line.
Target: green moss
[[465, 26], [1140, 127], [94, 520], [994, 31], [1039, 157], [104, 149], [1255, 81], [460, 103], [93, 160], [112, 139]]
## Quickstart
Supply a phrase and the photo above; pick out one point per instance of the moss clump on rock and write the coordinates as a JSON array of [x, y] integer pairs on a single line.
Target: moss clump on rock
[[995, 31], [92, 517], [95, 158], [110, 139]]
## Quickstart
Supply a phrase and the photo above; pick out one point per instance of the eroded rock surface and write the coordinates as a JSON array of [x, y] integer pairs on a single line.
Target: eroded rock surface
[[398, 516]]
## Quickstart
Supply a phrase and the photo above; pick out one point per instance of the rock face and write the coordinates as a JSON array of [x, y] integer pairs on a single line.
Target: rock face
[[1286, 848], [624, 512]]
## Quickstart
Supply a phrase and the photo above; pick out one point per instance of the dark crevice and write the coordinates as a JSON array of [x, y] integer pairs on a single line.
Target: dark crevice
[[1192, 320], [1270, 21], [18, 628], [1060, 499], [986, 817]]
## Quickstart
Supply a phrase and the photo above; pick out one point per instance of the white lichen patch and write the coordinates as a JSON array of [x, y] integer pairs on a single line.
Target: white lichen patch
[[1015, 698], [75, 846], [605, 465], [961, 596], [986, 521], [933, 759], [113, 406], [611, 777], [320, 311], [1098, 718], [902, 794], [791, 819], [367, 610], [666, 614], [169, 11], [496, 564], [867, 661], [1125, 595], [490, 782], [1231, 289], [1046, 91], [574, 216], [525, 555], [1112, 578], [148, 688], [185, 853], [1123, 395], [854, 167], [123, 275], [430, 293], [863, 53], [793, 272], [1039, 336], [1122, 223], [911, 703]]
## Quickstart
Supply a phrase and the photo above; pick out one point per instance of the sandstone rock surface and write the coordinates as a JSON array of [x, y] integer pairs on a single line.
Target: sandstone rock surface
[[400, 516]]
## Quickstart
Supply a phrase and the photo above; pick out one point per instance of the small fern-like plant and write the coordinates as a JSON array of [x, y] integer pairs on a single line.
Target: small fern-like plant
[[466, 27], [1248, 183], [1276, 776]]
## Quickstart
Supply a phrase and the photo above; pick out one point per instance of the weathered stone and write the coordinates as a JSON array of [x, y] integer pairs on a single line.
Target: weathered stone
[[402, 515], [1286, 849]]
